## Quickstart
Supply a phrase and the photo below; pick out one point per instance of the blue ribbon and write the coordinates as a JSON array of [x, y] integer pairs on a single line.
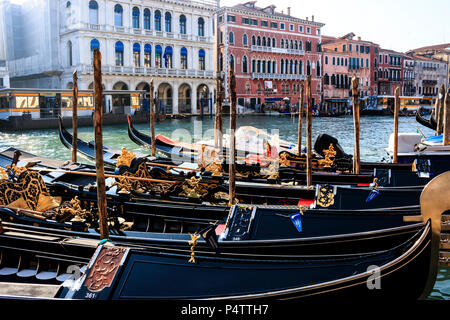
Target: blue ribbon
[[372, 195], [296, 219]]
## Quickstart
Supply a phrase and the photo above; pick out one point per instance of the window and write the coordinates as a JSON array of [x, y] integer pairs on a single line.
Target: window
[[94, 45], [158, 56], [136, 55], [168, 20], [308, 30], [291, 27], [168, 57], [318, 32], [300, 29], [269, 42], [231, 18], [201, 59], [258, 41], [201, 27], [253, 22], [274, 25], [357, 48], [361, 49], [308, 46], [183, 24], [334, 61], [264, 23], [245, 20], [183, 58], [244, 40], [326, 59], [231, 62], [244, 64], [308, 68], [119, 53], [118, 15], [136, 15], [231, 37], [326, 79], [253, 41], [281, 26], [274, 43], [220, 19], [93, 12], [350, 47], [367, 63], [146, 19], [69, 54], [158, 20], [367, 50], [147, 55]]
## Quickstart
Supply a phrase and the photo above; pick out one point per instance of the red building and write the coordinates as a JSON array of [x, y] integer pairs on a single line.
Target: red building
[[271, 52], [390, 72]]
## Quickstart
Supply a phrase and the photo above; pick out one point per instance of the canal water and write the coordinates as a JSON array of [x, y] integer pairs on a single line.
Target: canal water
[[375, 132]]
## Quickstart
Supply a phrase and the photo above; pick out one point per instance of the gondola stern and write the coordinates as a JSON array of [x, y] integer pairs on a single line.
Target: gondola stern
[[434, 202]]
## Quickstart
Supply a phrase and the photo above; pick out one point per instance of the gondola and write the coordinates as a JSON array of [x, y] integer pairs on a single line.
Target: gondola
[[430, 123], [87, 149], [126, 271]]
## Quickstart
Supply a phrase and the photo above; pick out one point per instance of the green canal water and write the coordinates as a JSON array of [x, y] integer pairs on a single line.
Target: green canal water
[[375, 132]]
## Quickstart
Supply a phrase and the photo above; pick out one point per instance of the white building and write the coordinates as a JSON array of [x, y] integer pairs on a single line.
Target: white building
[[168, 41], [429, 75]]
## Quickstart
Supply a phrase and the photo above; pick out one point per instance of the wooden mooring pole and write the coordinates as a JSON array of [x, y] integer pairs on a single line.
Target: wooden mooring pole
[[218, 125], [232, 156], [99, 164], [396, 114], [441, 107], [152, 118], [446, 133], [356, 121], [308, 132], [74, 117], [301, 102]]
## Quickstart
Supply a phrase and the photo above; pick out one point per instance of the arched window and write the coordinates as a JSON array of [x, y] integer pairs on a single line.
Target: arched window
[[231, 62], [258, 66], [326, 79], [183, 24], [286, 43], [118, 15], [93, 12], [244, 64], [147, 19], [69, 54], [264, 41], [231, 37], [292, 44], [94, 45], [119, 53], [296, 67], [253, 65], [282, 43], [282, 66], [147, 55], [274, 67], [137, 55], [136, 14], [269, 66], [158, 56], [300, 45], [258, 41], [168, 19], [269, 42], [68, 12], [308, 68], [274, 43], [291, 67], [244, 40], [201, 27], [201, 59], [158, 20], [318, 69], [253, 41], [300, 67], [264, 66], [168, 57], [296, 45], [333, 79], [183, 58]]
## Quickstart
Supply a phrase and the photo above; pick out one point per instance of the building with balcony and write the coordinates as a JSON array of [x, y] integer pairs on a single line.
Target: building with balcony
[[390, 72], [408, 76], [271, 52], [362, 60], [336, 83], [429, 75], [168, 41]]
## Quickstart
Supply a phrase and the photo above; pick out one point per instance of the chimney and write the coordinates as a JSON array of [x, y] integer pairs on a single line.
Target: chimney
[[312, 18], [289, 11], [359, 38]]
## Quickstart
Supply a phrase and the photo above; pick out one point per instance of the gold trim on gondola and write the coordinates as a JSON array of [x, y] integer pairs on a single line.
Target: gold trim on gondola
[[125, 158], [325, 196], [193, 243]]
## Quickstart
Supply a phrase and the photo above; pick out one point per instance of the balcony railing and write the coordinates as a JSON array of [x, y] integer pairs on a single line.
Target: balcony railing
[[108, 69], [256, 75], [277, 50]]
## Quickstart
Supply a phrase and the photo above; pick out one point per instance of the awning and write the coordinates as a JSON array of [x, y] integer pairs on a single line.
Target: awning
[[93, 5], [168, 50], [183, 18], [95, 44], [147, 48], [183, 51], [136, 47], [158, 49], [119, 46], [201, 53]]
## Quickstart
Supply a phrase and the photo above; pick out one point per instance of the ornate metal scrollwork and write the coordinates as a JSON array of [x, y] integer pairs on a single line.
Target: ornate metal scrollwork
[[325, 196]]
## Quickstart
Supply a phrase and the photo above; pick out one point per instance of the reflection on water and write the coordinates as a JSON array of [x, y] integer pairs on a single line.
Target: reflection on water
[[375, 132]]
